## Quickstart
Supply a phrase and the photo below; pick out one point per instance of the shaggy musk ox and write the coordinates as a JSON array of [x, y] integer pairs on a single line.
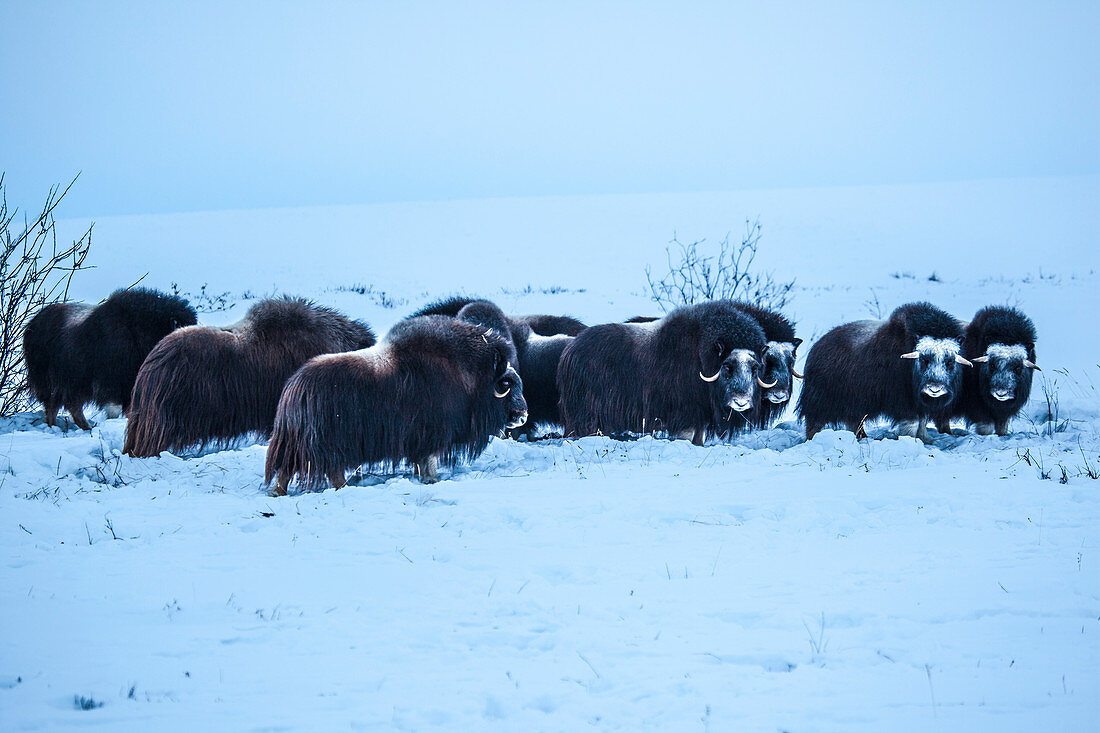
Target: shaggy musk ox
[[1000, 342], [434, 389], [77, 354], [687, 373], [536, 355], [907, 368], [777, 364], [211, 385], [543, 325]]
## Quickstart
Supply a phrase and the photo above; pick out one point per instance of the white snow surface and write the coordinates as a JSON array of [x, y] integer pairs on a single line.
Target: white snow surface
[[764, 584]]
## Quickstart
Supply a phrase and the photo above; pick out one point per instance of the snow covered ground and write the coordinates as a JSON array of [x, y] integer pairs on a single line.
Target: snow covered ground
[[765, 584]]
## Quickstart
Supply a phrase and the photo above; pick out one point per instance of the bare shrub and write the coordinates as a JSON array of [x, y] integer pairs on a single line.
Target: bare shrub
[[698, 272], [34, 272]]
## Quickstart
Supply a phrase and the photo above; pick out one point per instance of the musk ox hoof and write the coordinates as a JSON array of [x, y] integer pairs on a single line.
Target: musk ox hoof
[[984, 429]]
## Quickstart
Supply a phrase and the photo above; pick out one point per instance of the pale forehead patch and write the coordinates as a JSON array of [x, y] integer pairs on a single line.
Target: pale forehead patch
[[783, 348], [1006, 351], [940, 348], [742, 355]]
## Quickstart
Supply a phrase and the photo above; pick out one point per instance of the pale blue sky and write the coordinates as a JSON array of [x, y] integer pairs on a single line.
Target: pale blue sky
[[182, 107]]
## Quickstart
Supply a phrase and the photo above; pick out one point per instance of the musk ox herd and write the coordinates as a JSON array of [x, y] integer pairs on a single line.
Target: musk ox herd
[[331, 398]]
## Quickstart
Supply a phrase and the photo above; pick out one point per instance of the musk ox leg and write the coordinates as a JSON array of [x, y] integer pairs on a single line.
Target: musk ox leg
[[943, 425], [922, 432], [984, 428], [49, 414], [688, 434], [282, 481], [76, 412], [428, 471], [1001, 426], [113, 411], [699, 437], [812, 429], [337, 479]]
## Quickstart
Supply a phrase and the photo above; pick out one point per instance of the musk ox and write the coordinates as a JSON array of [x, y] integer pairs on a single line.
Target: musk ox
[[687, 373], [543, 325], [435, 389], [907, 368], [1000, 341], [536, 355], [76, 354], [777, 364], [210, 385]]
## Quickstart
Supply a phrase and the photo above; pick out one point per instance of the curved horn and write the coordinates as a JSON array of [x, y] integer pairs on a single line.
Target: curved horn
[[501, 394], [1032, 365], [980, 359], [710, 379], [764, 384], [962, 361], [911, 355], [795, 373]]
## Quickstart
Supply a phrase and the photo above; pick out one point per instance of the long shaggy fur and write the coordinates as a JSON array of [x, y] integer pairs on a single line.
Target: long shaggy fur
[[427, 390], [854, 372], [995, 325], [210, 385], [638, 377], [77, 354]]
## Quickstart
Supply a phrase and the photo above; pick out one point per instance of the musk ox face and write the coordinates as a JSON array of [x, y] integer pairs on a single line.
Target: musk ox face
[[508, 390], [1005, 373], [778, 370], [734, 375], [937, 371]]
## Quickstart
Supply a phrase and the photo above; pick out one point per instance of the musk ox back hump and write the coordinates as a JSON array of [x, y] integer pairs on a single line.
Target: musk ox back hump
[[211, 385], [546, 325]]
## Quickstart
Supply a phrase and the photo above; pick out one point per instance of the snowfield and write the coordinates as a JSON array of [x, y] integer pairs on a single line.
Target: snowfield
[[768, 583]]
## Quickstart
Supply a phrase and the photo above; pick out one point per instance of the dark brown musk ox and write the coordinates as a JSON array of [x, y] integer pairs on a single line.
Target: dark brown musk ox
[[907, 368], [777, 371], [1000, 341], [207, 386], [536, 358], [541, 324], [76, 353], [689, 373], [434, 390]]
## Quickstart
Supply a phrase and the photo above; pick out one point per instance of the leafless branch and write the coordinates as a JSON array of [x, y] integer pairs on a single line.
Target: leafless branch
[[34, 271], [694, 276]]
